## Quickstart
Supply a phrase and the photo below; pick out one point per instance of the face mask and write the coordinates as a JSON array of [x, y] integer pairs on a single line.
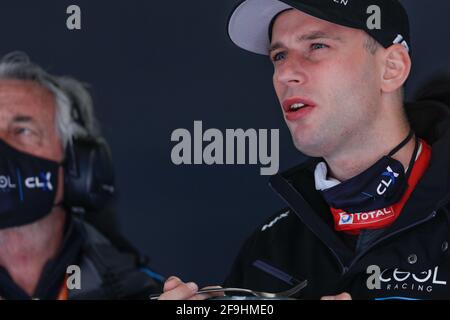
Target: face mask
[[28, 186], [380, 186]]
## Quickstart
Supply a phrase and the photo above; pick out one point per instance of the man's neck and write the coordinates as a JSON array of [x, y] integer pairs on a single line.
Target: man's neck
[[353, 161], [27, 249]]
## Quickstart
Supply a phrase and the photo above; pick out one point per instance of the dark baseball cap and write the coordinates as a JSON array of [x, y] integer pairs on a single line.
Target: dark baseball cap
[[250, 23]]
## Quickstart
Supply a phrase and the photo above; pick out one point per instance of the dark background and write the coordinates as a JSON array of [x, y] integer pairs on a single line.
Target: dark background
[[155, 66]]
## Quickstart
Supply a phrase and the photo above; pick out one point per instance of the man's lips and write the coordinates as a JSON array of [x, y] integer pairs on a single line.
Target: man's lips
[[295, 108], [293, 101]]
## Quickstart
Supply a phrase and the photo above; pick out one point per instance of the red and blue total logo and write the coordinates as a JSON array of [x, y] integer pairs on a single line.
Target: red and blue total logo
[[370, 217], [345, 218]]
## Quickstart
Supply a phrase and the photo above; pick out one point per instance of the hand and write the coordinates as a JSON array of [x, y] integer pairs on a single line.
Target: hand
[[175, 289], [342, 296]]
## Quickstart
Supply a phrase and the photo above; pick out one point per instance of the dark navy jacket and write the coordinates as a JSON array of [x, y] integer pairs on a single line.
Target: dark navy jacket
[[106, 272]]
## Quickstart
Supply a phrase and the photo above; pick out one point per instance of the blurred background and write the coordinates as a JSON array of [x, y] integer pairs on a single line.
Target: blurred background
[[155, 66]]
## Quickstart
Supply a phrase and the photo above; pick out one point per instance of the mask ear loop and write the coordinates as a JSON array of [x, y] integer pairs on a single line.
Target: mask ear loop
[[413, 159], [402, 144], [61, 164], [414, 155]]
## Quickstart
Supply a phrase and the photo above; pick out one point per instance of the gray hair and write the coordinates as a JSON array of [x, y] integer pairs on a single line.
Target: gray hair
[[370, 44], [66, 91]]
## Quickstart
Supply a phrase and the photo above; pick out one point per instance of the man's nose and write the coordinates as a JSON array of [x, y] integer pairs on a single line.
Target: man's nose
[[291, 72]]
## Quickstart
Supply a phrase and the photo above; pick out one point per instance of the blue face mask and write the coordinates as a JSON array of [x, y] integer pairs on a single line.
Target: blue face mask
[[380, 186], [28, 186]]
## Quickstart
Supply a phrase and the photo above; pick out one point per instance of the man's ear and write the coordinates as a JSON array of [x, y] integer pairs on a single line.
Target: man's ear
[[397, 66]]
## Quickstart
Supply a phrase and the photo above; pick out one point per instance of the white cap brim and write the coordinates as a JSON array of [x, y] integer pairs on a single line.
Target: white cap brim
[[248, 26]]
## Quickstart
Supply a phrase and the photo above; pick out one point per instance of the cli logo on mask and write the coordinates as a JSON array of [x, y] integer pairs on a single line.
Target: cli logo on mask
[[6, 183], [41, 182], [384, 185]]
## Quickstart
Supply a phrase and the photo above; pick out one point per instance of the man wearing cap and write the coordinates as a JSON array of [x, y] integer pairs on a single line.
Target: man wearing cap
[[368, 213]]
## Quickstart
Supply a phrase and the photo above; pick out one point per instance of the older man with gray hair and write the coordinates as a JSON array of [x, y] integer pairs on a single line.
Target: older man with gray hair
[[54, 171]]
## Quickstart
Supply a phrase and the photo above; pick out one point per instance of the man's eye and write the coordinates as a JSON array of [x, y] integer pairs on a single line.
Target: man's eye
[[278, 56], [22, 131], [26, 136], [317, 46]]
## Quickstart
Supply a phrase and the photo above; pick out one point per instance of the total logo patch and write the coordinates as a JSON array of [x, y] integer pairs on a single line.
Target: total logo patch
[[345, 218], [362, 218]]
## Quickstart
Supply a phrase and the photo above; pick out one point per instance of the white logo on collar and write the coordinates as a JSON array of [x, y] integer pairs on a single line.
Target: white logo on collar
[[343, 2]]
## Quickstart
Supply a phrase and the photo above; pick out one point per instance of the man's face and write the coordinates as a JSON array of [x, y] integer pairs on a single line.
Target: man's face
[[27, 121], [325, 67]]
